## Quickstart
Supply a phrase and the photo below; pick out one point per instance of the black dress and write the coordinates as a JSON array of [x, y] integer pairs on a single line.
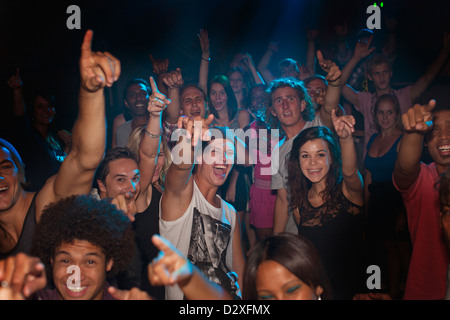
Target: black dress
[[336, 232]]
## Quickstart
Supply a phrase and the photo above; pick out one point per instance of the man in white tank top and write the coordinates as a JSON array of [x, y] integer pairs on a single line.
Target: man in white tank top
[[200, 224]]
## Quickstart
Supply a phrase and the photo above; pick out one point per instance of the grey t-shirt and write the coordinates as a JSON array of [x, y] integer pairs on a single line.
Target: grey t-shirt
[[122, 134], [280, 178]]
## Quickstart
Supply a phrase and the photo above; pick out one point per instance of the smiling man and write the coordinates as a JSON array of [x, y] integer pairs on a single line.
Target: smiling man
[[292, 107], [135, 97], [20, 211], [200, 224], [90, 236], [425, 125]]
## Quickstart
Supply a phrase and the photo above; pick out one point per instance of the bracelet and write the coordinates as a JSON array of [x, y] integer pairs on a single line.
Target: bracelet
[[333, 85], [152, 135], [209, 59]]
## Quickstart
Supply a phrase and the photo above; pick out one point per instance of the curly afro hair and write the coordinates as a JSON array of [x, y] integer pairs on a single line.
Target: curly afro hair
[[82, 217]]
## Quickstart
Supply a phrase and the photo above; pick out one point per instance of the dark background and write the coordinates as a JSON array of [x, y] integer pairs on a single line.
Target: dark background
[[34, 37]]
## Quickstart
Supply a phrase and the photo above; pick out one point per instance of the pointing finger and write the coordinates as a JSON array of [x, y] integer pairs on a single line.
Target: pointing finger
[[86, 45], [153, 85]]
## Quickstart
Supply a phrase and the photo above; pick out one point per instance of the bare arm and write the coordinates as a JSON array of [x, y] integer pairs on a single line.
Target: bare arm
[[178, 183], [352, 185], [150, 144], [362, 50], [311, 35], [75, 176], [251, 66], [281, 213], [174, 81], [407, 166], [333, 93], [15, 83], [263, 65], [171, 268], [204, 62]]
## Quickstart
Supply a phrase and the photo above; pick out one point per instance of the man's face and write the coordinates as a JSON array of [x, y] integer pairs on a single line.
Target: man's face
[[289, 72], [193, 103], [123, 179], [445, 224], [316, 90], [438, 141], [217, 161], [44, 112], [137, 99], [287, 106], [10, 187], [93, 267], [381, 76]]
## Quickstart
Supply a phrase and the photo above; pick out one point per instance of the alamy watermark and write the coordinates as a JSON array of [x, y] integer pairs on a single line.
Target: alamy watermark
[[259, 149]]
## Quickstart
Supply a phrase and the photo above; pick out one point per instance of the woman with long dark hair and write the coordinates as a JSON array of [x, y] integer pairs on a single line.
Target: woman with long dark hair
[[327, 197]]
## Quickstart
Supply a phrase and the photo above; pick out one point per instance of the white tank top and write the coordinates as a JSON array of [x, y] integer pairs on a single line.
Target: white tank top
[[204, 234]]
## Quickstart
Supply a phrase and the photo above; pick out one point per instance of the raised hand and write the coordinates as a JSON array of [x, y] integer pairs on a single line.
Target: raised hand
[[160, 66], [332, 70], [343, 125], [132, 294], [362, 48], [194, 131], [157, 101], [97, 69], [204, 43], [21, 276], [173, 79], [126, 204], [273, 46], [419, 118], [15, 82], [170, 267]]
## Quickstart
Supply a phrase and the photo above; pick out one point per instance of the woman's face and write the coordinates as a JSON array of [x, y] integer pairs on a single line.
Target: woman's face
[[218, 97], [44, 112], [315, 160], [159, 166], [259, 99], [237, 81], [275, 282], [386, 116]]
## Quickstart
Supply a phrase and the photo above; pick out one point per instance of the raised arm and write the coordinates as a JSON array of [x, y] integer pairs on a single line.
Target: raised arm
[[407, 166], [15, 83], [311, 36], [160, 68], [204, 62], [150, 143], [362, 50], [75, 176], [248, 61], [178, 183], [424, 81], [171, 268], [352, 184], [263, 65], [174, 81], [333, 93]]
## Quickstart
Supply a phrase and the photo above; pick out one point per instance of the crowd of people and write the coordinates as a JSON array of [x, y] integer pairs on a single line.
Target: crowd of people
[[251, 184]]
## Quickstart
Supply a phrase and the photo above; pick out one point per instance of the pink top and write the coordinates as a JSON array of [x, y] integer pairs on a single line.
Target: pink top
[[427, 273], [263, 159]]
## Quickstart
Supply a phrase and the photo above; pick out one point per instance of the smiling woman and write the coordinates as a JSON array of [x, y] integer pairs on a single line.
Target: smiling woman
[[285, 267], [326, 199]]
